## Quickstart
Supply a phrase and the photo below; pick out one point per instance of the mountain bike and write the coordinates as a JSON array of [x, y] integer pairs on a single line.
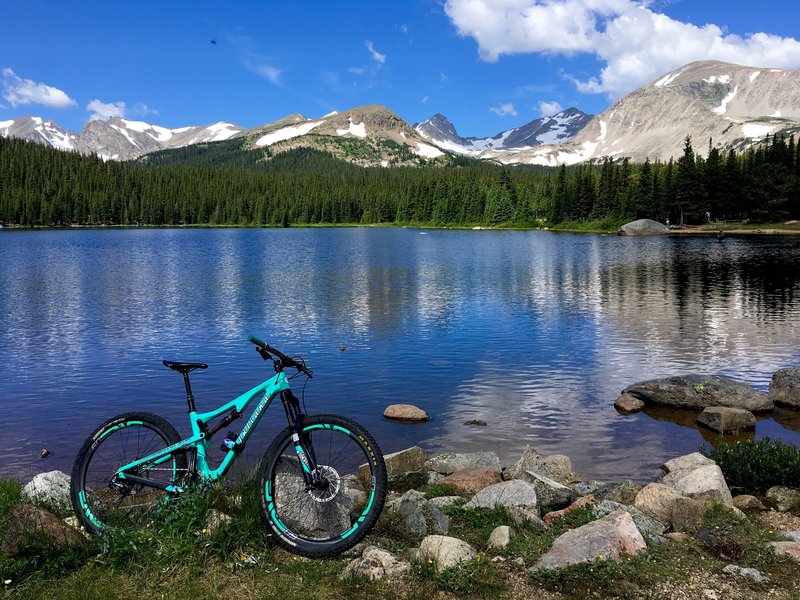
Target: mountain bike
[[321, 483]]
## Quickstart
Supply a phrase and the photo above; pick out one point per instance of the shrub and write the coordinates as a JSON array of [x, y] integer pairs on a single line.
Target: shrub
[[757, 466]]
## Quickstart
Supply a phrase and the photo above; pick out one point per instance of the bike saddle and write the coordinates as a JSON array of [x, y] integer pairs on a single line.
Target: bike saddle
[[183, 367]]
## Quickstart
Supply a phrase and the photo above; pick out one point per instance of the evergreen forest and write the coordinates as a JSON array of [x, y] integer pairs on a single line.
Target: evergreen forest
[[227, 184]]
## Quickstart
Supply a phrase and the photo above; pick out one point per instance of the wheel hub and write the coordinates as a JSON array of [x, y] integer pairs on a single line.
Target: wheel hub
[[329, 488]]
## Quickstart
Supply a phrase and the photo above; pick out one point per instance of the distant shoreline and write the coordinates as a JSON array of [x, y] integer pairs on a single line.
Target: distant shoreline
[[732, 229]]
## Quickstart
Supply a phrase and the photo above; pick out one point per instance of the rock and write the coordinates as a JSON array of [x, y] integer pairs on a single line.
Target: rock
[[32, 526], [375, 564], [551, 494], [698, 477], [215, 520], [783, 498], [419, 516], [51, 488], [678, 536], [628, 404], [623, 492], [687, 461], [445, 501], [725, 420], [450, 462], [646, 524], [434, 477], [582, 502], [500, 537], [44, 453], [472, 479], [476, 423], [698, 392], [657, 500], [446, 552], [687, 514], [555, 466], [527, 516], [746, 502], [753, 574], [398, 463], [785, 387], [790, 549], [643, 227], [605, 539], [506, 494], [791, 536], [405, 412]]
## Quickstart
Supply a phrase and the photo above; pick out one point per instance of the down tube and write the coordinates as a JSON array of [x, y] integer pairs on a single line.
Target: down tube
[[279, 386]]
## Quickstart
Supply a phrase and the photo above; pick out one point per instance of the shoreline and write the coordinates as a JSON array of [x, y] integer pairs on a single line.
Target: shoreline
[[765, 229]]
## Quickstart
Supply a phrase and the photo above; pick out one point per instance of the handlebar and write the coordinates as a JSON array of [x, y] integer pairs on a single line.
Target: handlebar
[[283, 361]]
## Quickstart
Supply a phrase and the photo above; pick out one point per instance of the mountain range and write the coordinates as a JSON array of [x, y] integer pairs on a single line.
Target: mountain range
[[733, 106]]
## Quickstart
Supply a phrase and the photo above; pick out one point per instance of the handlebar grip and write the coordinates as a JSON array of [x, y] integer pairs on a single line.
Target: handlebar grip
[[256, 341]]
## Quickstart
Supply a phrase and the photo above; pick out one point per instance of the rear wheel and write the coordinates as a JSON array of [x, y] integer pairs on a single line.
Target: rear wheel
[[336, 514], [104, 502]]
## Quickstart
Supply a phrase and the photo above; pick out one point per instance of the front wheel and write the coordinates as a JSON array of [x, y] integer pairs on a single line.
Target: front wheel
[[335, 515]]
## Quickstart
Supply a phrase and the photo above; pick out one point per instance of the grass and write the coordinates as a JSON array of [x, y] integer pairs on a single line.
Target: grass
[[175, 558]]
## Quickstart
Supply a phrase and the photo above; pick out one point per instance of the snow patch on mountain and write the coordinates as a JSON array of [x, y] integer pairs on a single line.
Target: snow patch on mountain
[[428, 151], [756, 130], [722, 108], [356, 129], [753, 75], [287, 133]]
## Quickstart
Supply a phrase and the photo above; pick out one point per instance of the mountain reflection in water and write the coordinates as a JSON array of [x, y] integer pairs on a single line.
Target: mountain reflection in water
[[533, 332]]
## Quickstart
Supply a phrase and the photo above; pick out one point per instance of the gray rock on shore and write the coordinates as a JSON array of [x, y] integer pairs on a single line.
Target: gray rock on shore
[[643, 227], [785, 387], [700, 391], [419, 516], [450, 462], [605, 539], [52, 488], [724, 419]]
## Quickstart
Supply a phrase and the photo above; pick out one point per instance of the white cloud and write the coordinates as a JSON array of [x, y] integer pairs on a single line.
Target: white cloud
[[425, 99], [105, 110], [376, 56], [140, 109], [20, 92], [636, 43], [357, 70], [504, 110], [548, 109], [404, 28], [264, 70]]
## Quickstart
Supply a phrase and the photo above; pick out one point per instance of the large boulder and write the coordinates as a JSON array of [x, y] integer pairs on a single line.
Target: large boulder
[[32, 526], [446, 552], [450, 462], [724, 419], [657, 500], [783, 498], [397, 463], [605, 539], [551, 494], [51, 488], [555, 466], [785, 387], [698, 392], [419, 516], [471, 479], [506, 494], [697, 477], [643, 227]]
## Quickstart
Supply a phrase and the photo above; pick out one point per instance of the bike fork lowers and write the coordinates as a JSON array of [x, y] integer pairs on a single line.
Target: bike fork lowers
[[301, 442]]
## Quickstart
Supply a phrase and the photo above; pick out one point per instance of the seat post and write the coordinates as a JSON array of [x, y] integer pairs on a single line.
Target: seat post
[[189, 397]]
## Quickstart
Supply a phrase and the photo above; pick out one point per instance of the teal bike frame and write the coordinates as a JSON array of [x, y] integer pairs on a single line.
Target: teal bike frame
[[201, 434]]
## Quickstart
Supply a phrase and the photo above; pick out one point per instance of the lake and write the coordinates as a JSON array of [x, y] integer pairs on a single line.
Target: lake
[[533, 332]]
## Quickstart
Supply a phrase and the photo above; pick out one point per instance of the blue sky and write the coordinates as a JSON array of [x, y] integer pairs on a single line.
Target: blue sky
[[488, 65]]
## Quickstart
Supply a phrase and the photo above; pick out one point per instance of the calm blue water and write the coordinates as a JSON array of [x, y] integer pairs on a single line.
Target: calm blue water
[[534, 332]]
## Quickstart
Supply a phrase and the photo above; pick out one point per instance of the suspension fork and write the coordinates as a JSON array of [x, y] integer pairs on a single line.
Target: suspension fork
[[301, 441]]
